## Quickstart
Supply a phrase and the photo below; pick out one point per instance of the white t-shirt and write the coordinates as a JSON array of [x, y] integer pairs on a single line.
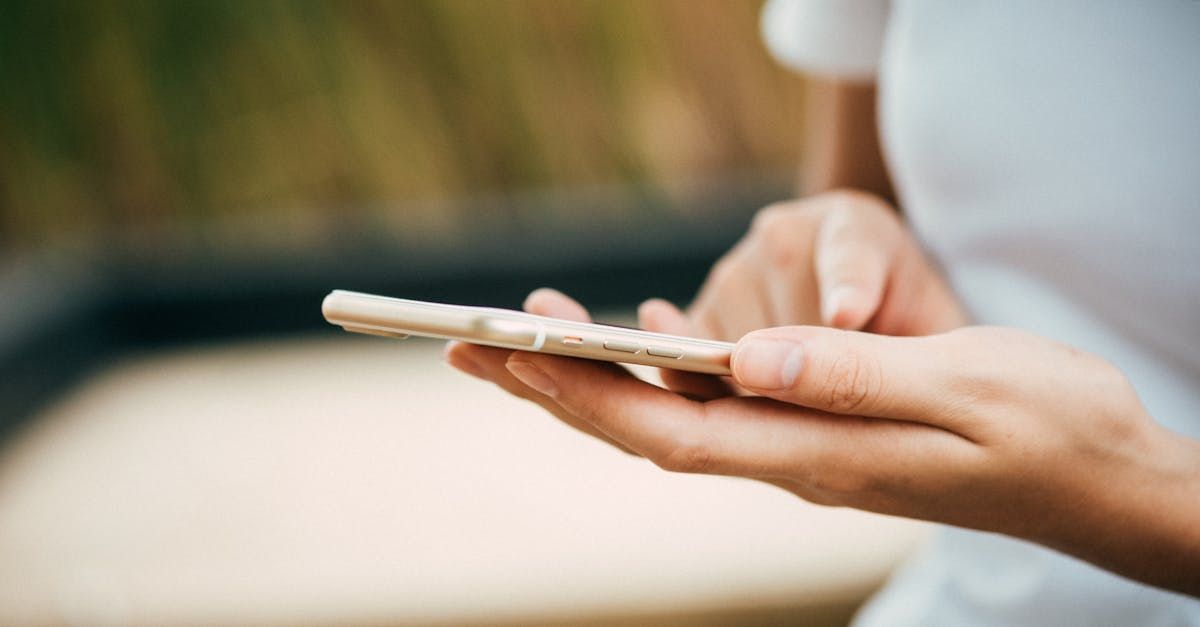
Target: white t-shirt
[[1048, 155]]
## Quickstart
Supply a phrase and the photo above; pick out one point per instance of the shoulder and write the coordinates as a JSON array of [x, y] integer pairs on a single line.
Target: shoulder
[[837, 38]]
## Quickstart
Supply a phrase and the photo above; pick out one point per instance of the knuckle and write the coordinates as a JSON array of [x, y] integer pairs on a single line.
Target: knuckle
[[980, 385], [1110, 376], [688, 456], [724, 270], [708, 325], [857, 199], [850, 384], [1120, 427], [778, 232], [824, 499], [846, 484], [702, 316], [1114, 418], [771, 217], [860, 210], [984, 380], [858, 214], [781, 247]]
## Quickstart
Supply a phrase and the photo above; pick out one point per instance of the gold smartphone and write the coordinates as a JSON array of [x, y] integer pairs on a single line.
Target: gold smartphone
[[399, 318]]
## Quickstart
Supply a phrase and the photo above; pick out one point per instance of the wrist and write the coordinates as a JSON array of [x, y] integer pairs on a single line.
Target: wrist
[[1142, 518]]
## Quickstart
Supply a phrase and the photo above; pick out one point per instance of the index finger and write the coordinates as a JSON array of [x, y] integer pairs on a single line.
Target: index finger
[[854, 250], [749, 437]]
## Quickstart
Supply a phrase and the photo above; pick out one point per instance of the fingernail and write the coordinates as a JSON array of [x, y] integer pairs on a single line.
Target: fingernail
[[767, 364], [464, 364], [833, 303], [532, 376]]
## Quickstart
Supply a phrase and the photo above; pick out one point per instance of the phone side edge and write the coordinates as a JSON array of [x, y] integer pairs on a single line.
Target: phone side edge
[[634, 346]]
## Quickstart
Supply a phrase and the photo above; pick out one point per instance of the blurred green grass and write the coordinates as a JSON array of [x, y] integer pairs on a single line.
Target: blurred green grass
[[163, 118]]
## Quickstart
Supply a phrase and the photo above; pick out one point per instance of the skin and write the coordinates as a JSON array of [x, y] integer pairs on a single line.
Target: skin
[[858, 382], [842, 145], [981, 427]]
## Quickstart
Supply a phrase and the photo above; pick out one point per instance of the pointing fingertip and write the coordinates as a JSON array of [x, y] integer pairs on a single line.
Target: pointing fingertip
[[846, 307], [834, 301]]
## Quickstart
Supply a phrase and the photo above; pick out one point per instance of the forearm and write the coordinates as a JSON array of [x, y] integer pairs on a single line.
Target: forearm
[[842, 139]]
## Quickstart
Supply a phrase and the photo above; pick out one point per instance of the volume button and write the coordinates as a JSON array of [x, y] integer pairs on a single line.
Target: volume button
[[663, 351], [622, 347]]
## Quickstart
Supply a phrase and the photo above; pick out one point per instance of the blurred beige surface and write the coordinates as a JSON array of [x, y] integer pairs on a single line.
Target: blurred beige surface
[[342, 479]]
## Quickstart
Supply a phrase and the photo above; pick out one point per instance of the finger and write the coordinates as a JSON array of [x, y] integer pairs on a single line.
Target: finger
[[460, 356], [660, 316], [702, 313], [791, 290], [553, 303], [672, 431], [703, 309], [786, 236], [751, 437], [918, 300], [854, 252], [733, 301], [543, 302], [854, 373], [489, 363]]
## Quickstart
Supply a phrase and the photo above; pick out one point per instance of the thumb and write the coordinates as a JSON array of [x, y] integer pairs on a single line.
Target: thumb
[[846, 372]]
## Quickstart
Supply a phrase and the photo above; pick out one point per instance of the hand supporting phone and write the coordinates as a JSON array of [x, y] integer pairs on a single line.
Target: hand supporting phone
[[399, 318]]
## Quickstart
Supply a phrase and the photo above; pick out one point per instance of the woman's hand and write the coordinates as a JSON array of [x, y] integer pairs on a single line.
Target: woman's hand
[[987, 428], [843, 259]]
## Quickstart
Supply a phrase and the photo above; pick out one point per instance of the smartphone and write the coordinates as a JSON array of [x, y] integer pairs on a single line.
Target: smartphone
[[399, 318]]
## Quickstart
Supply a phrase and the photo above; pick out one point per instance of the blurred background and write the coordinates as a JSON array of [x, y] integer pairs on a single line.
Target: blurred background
[[188, 157], [284, 124], [186, 441]]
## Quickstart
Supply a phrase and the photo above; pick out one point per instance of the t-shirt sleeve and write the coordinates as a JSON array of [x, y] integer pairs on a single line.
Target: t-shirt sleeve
[[836, 38]]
